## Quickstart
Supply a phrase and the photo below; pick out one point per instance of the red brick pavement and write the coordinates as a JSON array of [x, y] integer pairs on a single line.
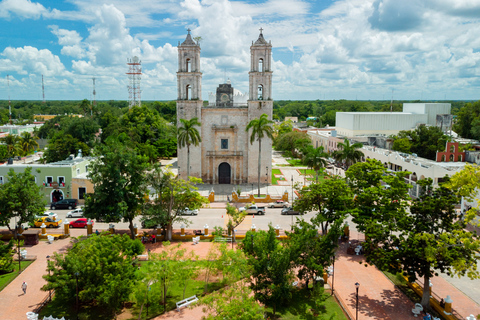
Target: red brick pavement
[[378, 297]]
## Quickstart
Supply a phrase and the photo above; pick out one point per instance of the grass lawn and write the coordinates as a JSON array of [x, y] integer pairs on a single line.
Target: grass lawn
[[274, 172], [301, 306], [6, 278], [312, 174], [61, 308], [400, 282], [295, 162]]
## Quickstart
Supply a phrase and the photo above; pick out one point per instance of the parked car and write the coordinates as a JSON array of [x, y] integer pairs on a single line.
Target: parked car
[[79, 223], [278, 204], [253, 209], [52, 215], [290, 210], [64, 204], [48, 221], [188, 212], [77, 213]]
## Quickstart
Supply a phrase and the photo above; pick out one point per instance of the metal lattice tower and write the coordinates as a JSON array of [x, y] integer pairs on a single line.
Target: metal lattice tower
[[134, 76]]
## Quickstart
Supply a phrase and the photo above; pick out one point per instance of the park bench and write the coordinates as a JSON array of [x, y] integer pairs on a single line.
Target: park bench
[[142, 257], [50, 239], [23, 254], [186, 302], [196, 240]]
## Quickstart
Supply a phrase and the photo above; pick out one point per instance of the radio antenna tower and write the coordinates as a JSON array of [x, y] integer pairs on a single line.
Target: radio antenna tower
[[43, 90], [134, 76], [391, 103], [9, 102], [94, 103]]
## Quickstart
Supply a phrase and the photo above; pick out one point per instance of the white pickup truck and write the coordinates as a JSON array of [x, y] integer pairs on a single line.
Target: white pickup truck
[[252, 209]]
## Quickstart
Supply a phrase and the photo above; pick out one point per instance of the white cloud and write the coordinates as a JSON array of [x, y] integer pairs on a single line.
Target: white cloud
[[28, 60], [22, 9]]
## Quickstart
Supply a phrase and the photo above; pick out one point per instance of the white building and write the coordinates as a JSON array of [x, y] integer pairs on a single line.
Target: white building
[[351, 124], [420, 168]]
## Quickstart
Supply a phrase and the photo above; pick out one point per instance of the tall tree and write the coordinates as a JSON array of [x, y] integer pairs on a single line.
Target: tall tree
[[311, 253], [427, 240], [261, 128], [20, 198], [235, 218], [332, 199], [271, 267], [118, 178], [28, 143], [314, 158], [348, 152], [102, 269], [188, 135], [170, 197], [12, 143]]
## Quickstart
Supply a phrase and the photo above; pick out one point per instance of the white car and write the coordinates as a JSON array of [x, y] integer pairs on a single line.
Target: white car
[[77, 213], [49, 214], [188, 212], [279, 204]]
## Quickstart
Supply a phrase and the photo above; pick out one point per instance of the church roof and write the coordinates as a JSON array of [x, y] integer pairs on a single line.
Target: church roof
[[261, 40], [188, 40]]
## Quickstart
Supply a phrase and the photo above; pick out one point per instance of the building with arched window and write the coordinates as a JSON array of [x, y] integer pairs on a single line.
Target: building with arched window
[[225, 155]]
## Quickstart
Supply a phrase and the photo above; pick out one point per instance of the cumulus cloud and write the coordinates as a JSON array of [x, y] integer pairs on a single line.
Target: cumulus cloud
[[22, 9], [28, 60], [391, 15]]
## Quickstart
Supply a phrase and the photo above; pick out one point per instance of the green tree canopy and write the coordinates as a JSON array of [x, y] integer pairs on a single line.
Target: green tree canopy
[[104, 267], [188, 135], [62, 145], [291, 142], [348, 153], [119, 183], [424, 141], [171, 195], [20, 198], [332, 199], [261, 128], [314, 158]]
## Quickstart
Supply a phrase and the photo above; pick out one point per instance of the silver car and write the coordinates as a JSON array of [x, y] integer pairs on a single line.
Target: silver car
[[77, 213], [188, 212]]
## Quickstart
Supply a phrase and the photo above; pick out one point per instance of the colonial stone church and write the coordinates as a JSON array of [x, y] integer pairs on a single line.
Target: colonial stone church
[[225, 155]]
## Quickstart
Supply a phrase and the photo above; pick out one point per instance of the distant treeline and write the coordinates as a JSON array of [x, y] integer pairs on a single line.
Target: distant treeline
[[324, 110]]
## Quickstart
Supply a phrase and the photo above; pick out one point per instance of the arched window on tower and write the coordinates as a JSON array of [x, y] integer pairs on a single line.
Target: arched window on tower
[[189, 92], [451, 158], [189, 65], [260, 65], [260, 92]]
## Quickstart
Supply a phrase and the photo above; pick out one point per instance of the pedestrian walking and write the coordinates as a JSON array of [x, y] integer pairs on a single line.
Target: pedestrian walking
[[24, 287], [154, 238]]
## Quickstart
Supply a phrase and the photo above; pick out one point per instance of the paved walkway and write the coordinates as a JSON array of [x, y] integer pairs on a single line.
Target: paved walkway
[[14, 304]]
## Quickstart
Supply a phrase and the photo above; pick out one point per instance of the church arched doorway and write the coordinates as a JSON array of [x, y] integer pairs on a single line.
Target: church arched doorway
[[224, 172]]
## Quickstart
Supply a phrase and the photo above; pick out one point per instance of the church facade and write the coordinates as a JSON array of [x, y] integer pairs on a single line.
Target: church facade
[[225, 155]]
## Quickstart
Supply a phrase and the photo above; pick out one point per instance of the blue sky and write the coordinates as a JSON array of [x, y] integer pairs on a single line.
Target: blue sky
[[344, 49]]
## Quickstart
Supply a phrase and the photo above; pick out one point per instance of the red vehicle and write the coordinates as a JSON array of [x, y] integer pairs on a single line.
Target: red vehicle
[[79, 223]]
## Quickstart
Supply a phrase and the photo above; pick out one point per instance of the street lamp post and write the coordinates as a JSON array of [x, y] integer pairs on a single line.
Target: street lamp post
[[333, 272], [252, 188], [266, 179], [292, 205], [357, 285]]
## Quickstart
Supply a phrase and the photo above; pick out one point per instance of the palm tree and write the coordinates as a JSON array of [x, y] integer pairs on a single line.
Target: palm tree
[[12, 142], [314, 158], [261, 127], [348, 152], [189, 135], [28, 143]]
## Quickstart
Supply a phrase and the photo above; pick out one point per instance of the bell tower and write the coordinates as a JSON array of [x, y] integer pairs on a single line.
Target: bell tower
[[260, 101], [189, 101]]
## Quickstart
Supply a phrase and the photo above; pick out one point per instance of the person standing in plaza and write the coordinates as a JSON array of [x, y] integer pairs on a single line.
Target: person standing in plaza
[[24, 287]]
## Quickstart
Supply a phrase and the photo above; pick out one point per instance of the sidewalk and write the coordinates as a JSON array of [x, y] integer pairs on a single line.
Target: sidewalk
[[15, 305], [378, 297]]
